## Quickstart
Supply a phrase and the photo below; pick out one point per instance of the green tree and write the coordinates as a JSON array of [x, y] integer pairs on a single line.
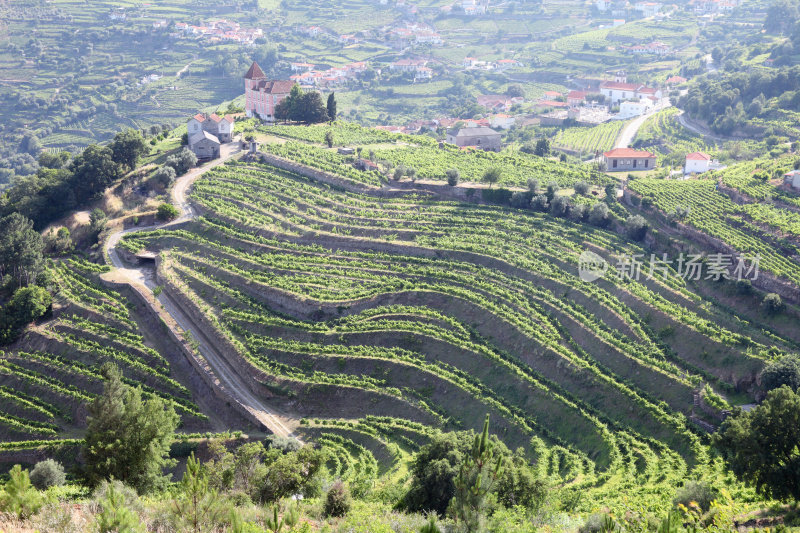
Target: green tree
[[492, 175], [97, 220], [552, 190], [92, 171], [477, 476], [784, 371], [19, 497], [27, 305], [337, 501], [453, 176], [636, 227], [542, 147], [182, 161], [21, 250], [772, 304], [128, 439], [115, 516], [167, 212], [331, 107], [329, 138], [127, 147], [47, 473], [292, 473], [762, 446], [198, 507]]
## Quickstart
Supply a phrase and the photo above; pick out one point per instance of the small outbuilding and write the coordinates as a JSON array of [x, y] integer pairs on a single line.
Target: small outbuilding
[[204, 145], [626, 159], [479, 137]]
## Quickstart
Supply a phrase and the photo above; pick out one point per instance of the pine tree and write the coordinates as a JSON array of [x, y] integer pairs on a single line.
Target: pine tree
[[198, 507], [19, 497], [128, 439], [331, 107], [476, 478], [115, 517]]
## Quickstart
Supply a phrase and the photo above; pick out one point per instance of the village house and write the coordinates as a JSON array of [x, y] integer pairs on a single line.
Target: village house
[[575, 98], [792, 179], [647, 9], [220, 127], [634, 108], [479, 137], [301, 67], [505, 64], [697, 163], [204, 145], [616, 91], [676, 80], [620, 159], [469, 62], [408, 65], [498, 102], [263, 95], [655, 48], [502, 121]]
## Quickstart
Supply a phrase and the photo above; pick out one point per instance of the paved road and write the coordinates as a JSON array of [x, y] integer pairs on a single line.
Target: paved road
[[626, 136], [231, 380]]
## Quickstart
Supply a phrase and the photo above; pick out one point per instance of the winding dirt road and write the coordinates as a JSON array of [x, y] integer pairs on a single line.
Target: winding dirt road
[[230, 380]]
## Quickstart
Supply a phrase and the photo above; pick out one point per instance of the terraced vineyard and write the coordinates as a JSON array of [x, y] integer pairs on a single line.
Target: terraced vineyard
[[349, 305], [664, 136], [49, 376], [344, 134], [588, 140], [715, 214]]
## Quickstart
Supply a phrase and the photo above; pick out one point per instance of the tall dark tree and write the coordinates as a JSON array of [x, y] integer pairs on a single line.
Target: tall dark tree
[[128, 439], [762, 446], [331, 107], [93, 171], [21, 250], [127, 147], [312, 109]]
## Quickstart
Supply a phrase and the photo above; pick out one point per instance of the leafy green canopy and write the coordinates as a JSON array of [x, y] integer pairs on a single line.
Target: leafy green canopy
[[128, 439], [762, 446]]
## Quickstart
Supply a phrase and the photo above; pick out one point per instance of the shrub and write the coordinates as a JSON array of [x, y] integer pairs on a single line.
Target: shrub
[[19, 497], [552, 190], [167, 212], [696, 491], [533, 185], [598, 215], [559, 206], [772, 304], [46, 474], [453, 177], [540, 203], [521, 199], [164, 176], [115, 516], [636, 227], [337, 501], [581, 187], [492, 175], [285, 444], [784, 371], [578, 212], [182, 161], [744, 286]]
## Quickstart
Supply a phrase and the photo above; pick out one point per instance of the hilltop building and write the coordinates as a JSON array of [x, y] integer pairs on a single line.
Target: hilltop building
[[479, 137], [207, 132], [620, 159], [263, 95], [697, 163]]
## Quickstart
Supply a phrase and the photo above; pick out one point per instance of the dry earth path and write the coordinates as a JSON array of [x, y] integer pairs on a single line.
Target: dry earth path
[[231, 380]]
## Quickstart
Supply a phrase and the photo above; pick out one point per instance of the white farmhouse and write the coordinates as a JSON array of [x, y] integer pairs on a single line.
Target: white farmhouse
[[634, 108], [697, 163]]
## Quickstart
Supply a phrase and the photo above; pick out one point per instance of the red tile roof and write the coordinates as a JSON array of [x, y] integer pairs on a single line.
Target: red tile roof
[[628, 152], [620, 86], [698, 156], [676, 79], [255, 72], [200, 117], [276, 87]]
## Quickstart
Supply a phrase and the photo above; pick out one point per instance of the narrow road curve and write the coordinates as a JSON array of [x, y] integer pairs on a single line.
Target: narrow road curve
[[628, 133], [231, 381]]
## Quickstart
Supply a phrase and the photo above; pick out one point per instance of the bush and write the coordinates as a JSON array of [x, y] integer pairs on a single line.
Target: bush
[[46, 474], [581, 187], [182, 161], [492, 175], [285, 444], [578, 212], [500, 196], [533, 185], [337, 501], [598, 215], [636, 227], [18, 496], [784, 371], [521, 199], [772, 304], [552, 190], [696, 491], [559, 206], [164, 176], [167, 212], [453, 177], [540, 203]]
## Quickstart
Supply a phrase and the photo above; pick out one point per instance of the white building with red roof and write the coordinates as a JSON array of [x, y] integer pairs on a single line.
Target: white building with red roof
[[625, 159], [697, 163], [263, 95], [616, 91]]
